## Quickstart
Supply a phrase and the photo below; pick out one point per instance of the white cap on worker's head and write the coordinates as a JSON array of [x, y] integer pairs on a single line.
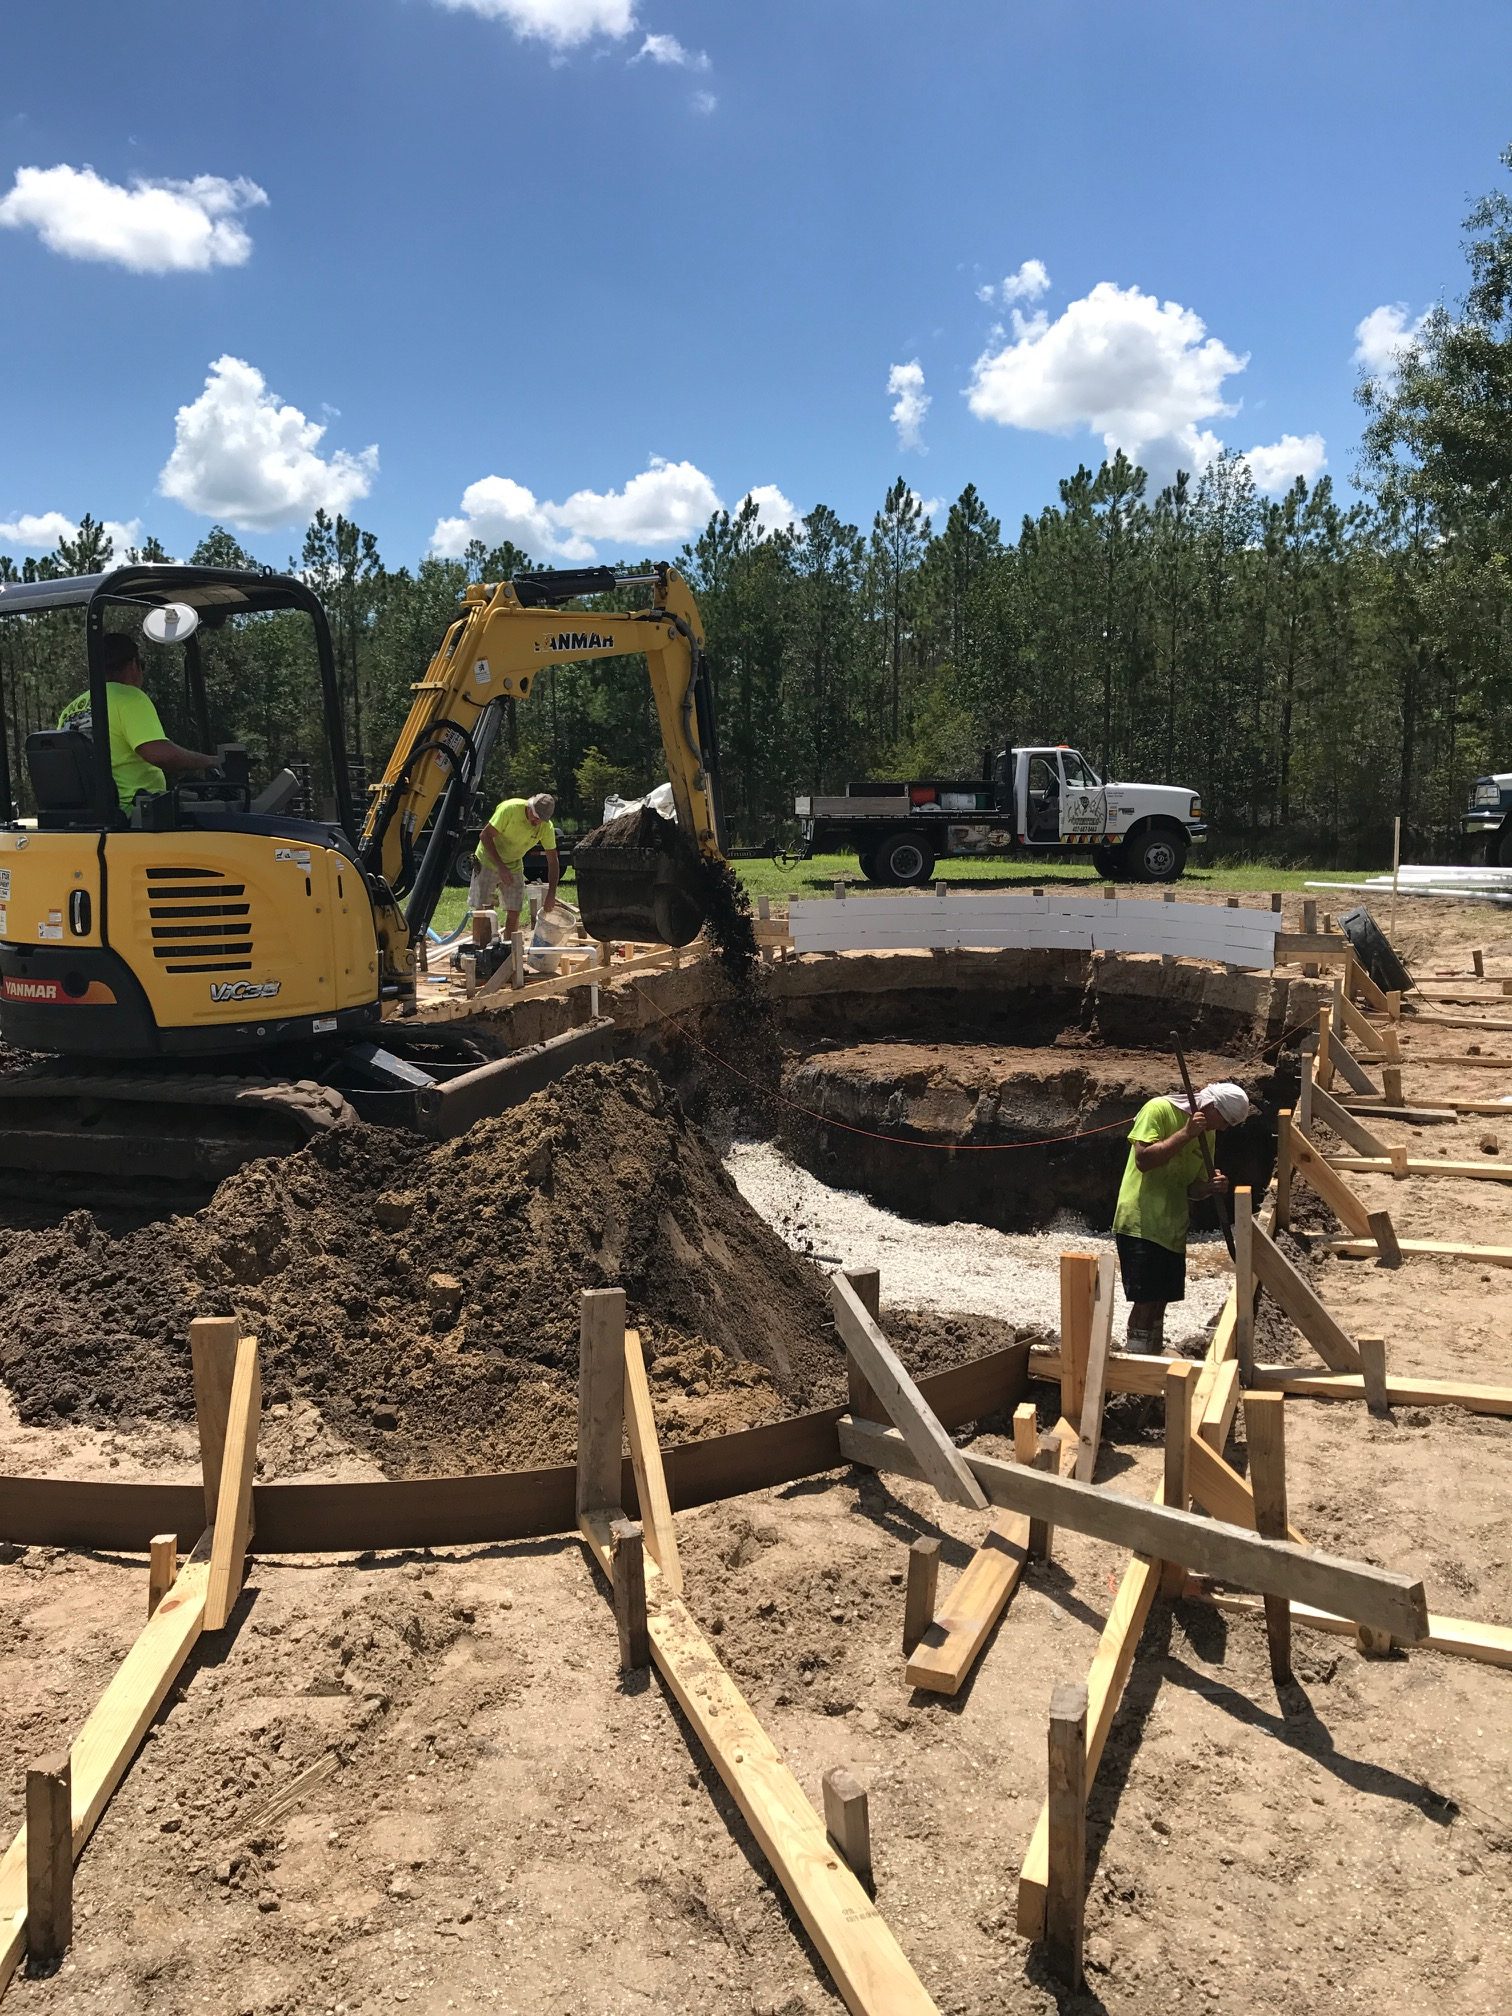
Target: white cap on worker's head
[[542, 805], [1229, 1101]]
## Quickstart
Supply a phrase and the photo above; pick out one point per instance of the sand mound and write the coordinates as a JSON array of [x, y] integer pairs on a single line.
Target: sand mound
[[332, 1255]]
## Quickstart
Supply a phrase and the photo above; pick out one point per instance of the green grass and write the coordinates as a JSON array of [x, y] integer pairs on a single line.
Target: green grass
[[817, 877]]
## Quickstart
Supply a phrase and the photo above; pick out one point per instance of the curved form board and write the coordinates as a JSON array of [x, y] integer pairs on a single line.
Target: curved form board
[[470, 1511]]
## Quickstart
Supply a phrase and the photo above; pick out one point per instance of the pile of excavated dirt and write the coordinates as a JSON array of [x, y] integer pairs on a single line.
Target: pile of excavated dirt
[[425, 1298]]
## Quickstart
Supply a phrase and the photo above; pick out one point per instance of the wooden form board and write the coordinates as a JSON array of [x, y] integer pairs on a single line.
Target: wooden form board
[[1441, 1249], [1459, 1637], [1311, 1168], [1304, 1383], [650, 1477], [1300, 1301], [1377, 1596], [108, 1741], [232, 1530], [949, 1647], [864, 1960], [1017, 922], [939, 1460], [1423, 1165]]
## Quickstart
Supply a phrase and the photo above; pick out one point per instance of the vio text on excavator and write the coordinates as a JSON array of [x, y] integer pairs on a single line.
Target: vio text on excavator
[[208, 978]]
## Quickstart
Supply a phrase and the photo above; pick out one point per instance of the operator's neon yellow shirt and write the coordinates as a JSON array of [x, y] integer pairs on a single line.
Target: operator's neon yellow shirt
[[516, 835], [133, 721], [1153, 1203]]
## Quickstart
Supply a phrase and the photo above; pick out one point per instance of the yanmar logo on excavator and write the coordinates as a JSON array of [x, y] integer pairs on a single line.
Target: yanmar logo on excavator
[[244, 990], [577, 640]]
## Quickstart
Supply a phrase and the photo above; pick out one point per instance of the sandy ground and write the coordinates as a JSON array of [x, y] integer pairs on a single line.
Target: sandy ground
[[499, 1822]]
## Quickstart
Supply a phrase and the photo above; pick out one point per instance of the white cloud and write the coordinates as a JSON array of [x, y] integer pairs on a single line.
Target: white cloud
[[665, 504], [778, 513], [1276, 467], [242, 456], [1030, 281], [495, 509], [906, 383], [704, 102], [1383, 334], [564, 24], [152, 227], [1141, 372], [41, 531], [667, 50]]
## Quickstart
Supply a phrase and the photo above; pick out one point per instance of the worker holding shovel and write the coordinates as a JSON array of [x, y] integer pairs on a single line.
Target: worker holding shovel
[[1169, 1169]]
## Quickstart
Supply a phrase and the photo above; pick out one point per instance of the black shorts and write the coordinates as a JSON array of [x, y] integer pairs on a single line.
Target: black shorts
[[1150, 1273]]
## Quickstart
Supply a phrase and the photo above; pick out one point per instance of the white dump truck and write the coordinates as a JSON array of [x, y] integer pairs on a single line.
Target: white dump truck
[[1045, 803]]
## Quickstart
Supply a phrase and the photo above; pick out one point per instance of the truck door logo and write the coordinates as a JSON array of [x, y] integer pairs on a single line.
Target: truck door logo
[[244, 990]]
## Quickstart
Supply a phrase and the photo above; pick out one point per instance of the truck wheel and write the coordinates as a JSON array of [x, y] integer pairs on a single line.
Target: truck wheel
[[867, 856], [902, 861], [462, 865], [1106, 861], [1158, 855], [1499, 848]]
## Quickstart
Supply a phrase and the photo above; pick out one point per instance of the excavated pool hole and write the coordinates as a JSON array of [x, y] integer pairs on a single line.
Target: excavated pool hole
[[960, 1138]]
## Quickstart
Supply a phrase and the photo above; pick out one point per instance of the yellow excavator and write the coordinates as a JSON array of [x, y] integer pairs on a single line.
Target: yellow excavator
[[208, 978]]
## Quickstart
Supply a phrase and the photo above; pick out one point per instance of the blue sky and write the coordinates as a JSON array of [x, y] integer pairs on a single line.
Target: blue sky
[[570, 270]]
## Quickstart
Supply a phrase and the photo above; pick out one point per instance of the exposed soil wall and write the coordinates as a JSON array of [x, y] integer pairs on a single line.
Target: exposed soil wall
[[1065, 1110]]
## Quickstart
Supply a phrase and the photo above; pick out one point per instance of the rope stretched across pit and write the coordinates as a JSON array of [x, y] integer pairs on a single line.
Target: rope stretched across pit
[[904, 1141]]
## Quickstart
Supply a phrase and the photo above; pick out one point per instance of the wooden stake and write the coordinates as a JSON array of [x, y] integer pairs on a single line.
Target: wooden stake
[[1391, 1083], [1323, 1070], [627, 1575], [1478, 961], [867, 1282], [848, 1822], [1264, 1429], [1065, 1893], [919, 1596], [162, 1568], [1281, 1208], [1310, 925], [1095, 1384], [517, 959], [1041, 1532], [1373, 1373], [1244, 1281], [212, 1354], [1308, 1089], [1078, 1293], [49, 1860], [1384, 1233], [1180, 1390], [233, 1510], [601, 1398]]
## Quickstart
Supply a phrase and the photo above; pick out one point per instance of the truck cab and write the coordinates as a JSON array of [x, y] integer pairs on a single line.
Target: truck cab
[[1486, 824]]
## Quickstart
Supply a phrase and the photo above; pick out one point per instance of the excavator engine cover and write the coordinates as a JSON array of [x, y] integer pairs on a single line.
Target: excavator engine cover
[[640, 878]]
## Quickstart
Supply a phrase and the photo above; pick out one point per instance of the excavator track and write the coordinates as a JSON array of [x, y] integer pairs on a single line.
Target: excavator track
[[149, 1140]]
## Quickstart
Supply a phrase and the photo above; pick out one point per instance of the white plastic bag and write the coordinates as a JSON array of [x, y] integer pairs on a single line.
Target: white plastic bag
[[660, 800]]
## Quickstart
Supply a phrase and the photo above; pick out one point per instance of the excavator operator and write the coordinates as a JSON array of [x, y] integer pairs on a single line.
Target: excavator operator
[[139, 750]]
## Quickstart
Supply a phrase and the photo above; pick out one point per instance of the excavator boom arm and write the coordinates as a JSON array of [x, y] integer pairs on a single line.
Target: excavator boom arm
[[503, 638]]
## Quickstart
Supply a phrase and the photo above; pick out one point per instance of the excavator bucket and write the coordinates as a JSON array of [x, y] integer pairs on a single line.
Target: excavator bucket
[[641, 878]]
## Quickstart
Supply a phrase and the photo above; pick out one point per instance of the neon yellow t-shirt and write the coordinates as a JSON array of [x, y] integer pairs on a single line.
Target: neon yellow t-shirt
[[1153, 1203], [515, 834], [133, 721]]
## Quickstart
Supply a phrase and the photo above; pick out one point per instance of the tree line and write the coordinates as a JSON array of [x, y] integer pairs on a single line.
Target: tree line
[[1313, 667]]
